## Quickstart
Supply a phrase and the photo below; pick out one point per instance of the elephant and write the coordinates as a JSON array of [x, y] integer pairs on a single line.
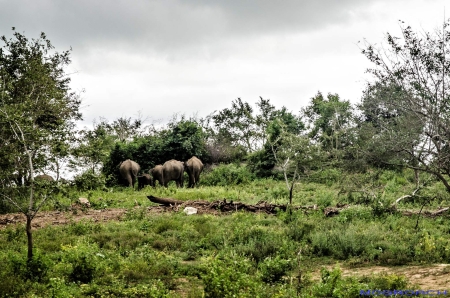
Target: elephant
[[44, 177], [173, 170], [143, 180], [193, 167], [157, 175], [128, 170]]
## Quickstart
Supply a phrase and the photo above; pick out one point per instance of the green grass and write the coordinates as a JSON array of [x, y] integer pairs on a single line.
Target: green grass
[[242, 254]]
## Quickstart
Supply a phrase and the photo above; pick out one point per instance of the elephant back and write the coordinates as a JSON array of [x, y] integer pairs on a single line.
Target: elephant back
[[172, 169], [194, 165]]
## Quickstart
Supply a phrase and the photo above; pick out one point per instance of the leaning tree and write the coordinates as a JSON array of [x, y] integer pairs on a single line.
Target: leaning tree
[[37, 110], [407, 106]]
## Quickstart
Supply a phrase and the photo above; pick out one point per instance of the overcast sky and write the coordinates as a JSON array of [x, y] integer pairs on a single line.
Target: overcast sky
[[196, 56]]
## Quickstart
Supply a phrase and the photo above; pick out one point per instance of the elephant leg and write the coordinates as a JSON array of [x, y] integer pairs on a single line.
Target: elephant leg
[[197, 180], [130, 181]]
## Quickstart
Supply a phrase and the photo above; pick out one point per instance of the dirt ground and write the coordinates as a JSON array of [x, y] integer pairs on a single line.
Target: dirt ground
[[435, 277]]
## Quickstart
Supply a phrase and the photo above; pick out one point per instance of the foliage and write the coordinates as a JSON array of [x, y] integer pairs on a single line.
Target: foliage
[[181, 140], [36, 105], [407, 106], [239, 126], [37, 111], [227, 175], [35, 269], [295, 154], [257, 255], [229, 276], [94, 147], [329, 120], [89, 181], [273, 269]]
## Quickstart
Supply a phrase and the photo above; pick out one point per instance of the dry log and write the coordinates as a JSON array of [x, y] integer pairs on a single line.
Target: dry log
[[165, 201], [443, 210]]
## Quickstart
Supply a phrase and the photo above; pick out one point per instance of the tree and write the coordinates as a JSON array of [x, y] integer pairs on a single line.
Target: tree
[[238, 126], [329, 121], [295, 154], [183, 139], [125, 129], [262, 161], [416, 68], [94, 147], [35, 106]]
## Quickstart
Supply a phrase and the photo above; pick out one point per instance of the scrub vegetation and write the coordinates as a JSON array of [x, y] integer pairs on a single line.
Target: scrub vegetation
[[361, 187]]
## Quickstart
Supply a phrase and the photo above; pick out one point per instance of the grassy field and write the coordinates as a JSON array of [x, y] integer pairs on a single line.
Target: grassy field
[[290, 254]]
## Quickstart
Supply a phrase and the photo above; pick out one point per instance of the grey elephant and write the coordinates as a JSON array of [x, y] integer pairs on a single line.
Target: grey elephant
[[143, 180], [193, 167], [173, 170], [157, 175], [128, 170], [44, 177]]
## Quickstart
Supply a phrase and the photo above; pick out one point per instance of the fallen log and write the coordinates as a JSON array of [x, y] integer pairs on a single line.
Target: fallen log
[[165, 201], [440, 211], [224, 206]]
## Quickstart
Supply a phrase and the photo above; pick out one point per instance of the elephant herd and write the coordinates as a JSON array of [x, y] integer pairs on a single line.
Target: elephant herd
[[171, 170]]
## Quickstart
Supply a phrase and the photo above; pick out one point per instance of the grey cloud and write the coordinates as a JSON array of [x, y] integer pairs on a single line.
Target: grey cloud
[[167, 25]]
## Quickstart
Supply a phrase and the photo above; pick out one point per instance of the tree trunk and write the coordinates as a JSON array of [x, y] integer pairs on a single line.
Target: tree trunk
[[290, 192], [29, 238]]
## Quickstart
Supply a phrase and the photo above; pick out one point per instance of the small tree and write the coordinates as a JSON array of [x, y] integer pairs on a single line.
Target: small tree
[[412, 96], [93, 148], [295, 154], [35, 105], [329, 120]]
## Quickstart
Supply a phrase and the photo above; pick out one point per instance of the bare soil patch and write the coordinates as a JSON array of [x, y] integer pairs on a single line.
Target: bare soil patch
[[435, 277], [429, 277]]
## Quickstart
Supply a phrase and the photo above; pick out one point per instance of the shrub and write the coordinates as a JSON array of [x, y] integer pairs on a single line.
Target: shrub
[[83, 270], [388, 282], [333, 285], [229, 277], [89, 181], [33, 270], [225, 175], [273, 269], [326, 176]]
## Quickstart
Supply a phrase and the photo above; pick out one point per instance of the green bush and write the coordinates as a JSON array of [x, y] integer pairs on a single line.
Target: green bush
[[34, 270], [229, 276], [326, 176], [83, 270], [273, 269], [226, 175], [387, 282], [333, 285], [257, 243], [154, 289], [89, 181]]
